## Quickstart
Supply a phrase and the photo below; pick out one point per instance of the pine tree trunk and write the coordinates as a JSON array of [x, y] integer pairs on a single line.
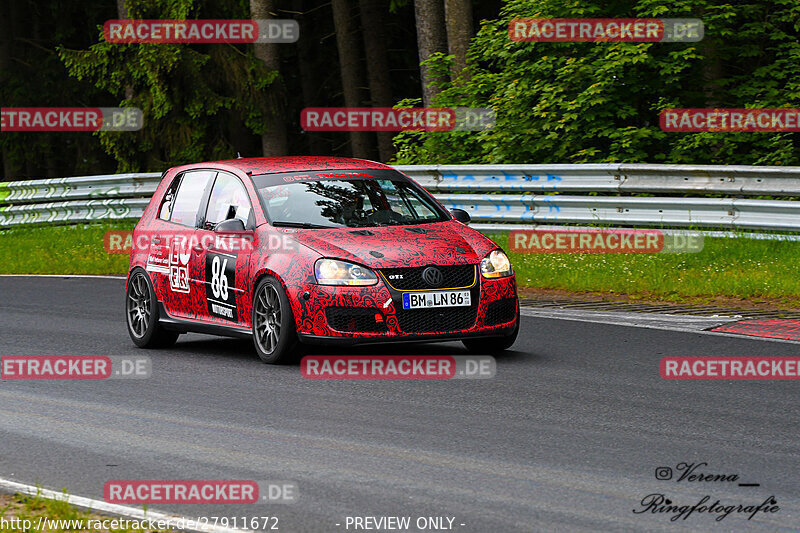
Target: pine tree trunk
[[372, 14], [347, 44], [122, 13], [458, 18], [310, 78], [274, 139], [431, 38], [5, 65]]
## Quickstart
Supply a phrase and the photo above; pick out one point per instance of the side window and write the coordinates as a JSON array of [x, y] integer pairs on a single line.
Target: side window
[[228, 201], [165, 210], [190, 193]]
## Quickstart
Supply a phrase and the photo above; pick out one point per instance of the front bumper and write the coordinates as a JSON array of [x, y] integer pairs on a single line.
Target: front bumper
[[305, 338], [315, 325]]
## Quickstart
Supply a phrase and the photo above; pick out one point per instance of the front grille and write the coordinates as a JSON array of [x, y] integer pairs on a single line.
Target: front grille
[[501, 311], [437, 320], [454, 276], [355, 319]]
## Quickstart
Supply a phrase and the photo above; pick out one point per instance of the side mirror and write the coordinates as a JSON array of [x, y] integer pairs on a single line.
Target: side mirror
[[233, 225], [460, 215]]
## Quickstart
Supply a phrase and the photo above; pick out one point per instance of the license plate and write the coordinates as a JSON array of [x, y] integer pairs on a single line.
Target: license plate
[[426, 300]]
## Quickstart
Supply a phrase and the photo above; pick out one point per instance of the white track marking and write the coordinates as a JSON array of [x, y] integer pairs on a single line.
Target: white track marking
[[112, 509], [683, 324]]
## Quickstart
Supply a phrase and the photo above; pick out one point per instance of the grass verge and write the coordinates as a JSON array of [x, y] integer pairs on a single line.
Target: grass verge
[[27, 513], [61, 250], [739, 268]]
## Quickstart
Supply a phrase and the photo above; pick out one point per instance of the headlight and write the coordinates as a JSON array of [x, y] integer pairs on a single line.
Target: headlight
[[496, 265], [333, 272]]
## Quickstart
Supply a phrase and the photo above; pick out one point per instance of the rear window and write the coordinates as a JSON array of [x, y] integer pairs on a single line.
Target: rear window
[[186, 206]]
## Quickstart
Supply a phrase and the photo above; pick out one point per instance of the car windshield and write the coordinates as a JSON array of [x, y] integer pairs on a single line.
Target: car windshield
[[349, 199]]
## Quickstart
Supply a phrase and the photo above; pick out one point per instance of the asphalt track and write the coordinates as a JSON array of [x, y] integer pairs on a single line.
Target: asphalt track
[[566, 437]]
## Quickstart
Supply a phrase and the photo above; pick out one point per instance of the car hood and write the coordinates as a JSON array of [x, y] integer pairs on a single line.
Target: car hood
[[440, 243]]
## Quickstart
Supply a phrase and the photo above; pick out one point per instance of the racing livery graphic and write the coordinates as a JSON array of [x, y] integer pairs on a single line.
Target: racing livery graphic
[[178, 265], [220, 273], [330, 251]]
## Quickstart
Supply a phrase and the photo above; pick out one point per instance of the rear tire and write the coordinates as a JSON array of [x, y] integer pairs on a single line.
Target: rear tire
[[274, 330], [141, 314]]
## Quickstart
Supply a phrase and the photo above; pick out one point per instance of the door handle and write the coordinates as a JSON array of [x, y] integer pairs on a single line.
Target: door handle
[[197, 248], [156, 240]]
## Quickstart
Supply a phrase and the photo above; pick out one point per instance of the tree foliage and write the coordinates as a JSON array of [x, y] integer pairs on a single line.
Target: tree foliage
[[555, 102], [32, 75], [190, 95], [600, 102]]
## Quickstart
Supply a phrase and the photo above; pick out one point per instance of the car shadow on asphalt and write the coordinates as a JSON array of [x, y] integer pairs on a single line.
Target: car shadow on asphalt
[[242, 349]]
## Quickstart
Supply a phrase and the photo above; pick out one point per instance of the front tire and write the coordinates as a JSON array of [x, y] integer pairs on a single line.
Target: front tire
[[141, 314], [274, 332]]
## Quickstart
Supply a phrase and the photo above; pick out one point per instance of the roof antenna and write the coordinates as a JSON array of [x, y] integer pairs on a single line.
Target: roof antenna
[[238, 155]]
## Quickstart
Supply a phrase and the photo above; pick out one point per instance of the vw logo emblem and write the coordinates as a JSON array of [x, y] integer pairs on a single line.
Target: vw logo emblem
[[433, 277]]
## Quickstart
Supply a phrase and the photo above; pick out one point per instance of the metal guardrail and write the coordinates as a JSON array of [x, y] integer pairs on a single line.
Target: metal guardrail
[[75, 200], [609, 178], [496, 196]]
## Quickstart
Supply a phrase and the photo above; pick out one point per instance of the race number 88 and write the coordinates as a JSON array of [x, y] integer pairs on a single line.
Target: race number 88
[[219, 281]]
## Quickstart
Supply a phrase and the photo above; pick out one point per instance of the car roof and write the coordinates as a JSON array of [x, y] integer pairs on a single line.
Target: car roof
[[271, 165]]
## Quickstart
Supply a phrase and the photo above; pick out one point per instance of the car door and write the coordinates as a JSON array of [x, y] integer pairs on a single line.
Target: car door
[[223, 263], [158, 236], [179, 239]]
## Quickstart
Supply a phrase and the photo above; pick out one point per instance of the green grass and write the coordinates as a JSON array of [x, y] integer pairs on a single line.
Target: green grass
[[736, 267], [751, 269], [16, 509], [61, 250]]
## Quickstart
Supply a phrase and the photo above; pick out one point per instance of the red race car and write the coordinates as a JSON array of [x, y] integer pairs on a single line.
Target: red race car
[[304, 250]]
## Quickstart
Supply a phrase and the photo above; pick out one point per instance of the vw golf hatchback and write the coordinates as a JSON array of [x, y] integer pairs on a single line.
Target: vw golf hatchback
[[303, 250]]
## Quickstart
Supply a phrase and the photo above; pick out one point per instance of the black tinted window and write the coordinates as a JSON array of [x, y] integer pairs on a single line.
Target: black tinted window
[[228, 201], [186, 206], [346, 199], [165, 210]]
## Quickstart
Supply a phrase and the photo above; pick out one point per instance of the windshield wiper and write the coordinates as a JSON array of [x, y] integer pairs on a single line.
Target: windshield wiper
[[304, 225]]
